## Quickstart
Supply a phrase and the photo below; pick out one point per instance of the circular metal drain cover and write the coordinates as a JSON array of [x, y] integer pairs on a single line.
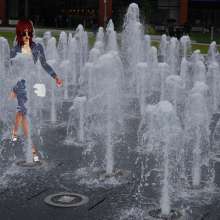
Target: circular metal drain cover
[[156, 213], [66, 200], [23, 163]]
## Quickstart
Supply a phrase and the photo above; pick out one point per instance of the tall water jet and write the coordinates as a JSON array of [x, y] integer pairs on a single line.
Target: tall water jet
[[185, 46], [46, 37], [185, 74], [175, 94], [94, 54], [51, 50], [213, 52], [197, 135], [154, 82], [86, 79], [147, 81], [52, 57], [87, 89], [81, 38], [72, 57], [213, 81], [70, 36], [4, 70], [4, 55], [82, 101], [62, 49], [197, 56], [173, 56], [161, 137], [53, 113], [28, 153], [198, 67], [164, 73], [163, 49], [65, 67], [99, 42], [109, 139], [62, 46], [105, 101], [213, 76], [100, 34], [204, 90], [142, 76], [76, 122], [153, 58], [111, 37], [147, 43], [132, 42]]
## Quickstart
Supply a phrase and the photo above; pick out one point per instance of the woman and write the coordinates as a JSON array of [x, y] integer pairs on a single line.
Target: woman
[[25, 45]]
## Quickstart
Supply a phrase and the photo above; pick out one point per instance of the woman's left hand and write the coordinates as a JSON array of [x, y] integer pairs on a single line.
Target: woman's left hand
[[59, 82]]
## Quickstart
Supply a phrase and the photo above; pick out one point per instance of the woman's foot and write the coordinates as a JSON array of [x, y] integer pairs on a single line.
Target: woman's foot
[[14, 136], [35, 156]]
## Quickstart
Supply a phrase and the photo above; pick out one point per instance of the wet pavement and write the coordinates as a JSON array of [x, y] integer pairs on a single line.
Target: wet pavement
[[23, 190]]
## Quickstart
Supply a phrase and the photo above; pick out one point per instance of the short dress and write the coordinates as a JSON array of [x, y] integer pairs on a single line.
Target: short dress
[[21, 86], [20, 90]]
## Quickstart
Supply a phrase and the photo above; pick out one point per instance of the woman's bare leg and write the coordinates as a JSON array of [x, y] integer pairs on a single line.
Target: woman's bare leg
[[26, 133], [18, 120], [25, 126]]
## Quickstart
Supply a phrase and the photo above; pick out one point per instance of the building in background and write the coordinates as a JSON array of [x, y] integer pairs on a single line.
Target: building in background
[[57, 13], [69, 13], [204, 13], [195, 12]]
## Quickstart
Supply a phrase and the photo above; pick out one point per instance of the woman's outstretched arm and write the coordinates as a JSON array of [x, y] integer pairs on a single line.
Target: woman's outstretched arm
[[46, 66]]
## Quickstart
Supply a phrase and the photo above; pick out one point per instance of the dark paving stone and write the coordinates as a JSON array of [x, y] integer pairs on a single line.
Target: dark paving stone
[[22, 197]]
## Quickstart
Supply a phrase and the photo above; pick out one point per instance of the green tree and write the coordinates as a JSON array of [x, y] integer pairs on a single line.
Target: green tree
[[146, 9]]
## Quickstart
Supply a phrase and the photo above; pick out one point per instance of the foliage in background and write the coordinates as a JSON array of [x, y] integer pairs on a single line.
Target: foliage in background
[[204, 37], [10, 36], [151, 30], [146, 9], [194, 36]]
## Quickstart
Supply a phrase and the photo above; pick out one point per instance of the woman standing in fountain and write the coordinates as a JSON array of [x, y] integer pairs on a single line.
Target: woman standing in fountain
[[25, 46]]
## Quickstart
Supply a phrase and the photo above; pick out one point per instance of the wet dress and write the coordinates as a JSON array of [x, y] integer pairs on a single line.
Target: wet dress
[[20, 88]]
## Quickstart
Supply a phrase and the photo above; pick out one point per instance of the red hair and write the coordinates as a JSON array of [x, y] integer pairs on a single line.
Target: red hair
[[21, 26]]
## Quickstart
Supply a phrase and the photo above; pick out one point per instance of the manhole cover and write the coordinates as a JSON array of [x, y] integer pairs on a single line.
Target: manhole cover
[[173, 215], [65, 200], [23, 163]]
